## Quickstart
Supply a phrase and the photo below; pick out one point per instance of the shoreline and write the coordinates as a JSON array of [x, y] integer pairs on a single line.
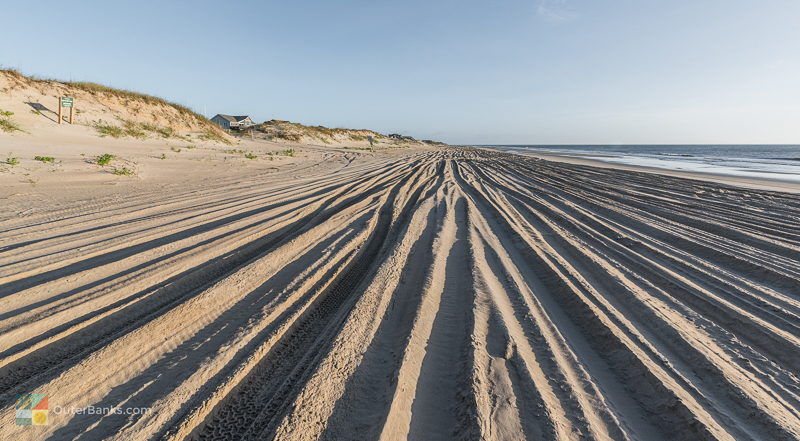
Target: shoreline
[[738, 181]]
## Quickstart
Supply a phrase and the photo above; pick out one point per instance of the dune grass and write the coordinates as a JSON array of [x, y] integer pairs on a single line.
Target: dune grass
[[295, 132], [44, 159], [213, 135], [12, 161], [133, 129], [104, 159], [211, 131], [105, 129], [8, 125], [124, 171], [164, 132], [95, 89]]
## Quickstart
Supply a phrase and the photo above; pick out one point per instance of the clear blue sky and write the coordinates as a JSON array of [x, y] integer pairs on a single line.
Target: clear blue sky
[[509, 71]]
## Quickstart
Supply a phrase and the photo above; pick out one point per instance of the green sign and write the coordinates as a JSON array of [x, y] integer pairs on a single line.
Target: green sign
[[66, 102]]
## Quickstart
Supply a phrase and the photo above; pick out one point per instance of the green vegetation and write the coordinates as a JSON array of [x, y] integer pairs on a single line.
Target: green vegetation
[[8, 126], [190, 117], [124, 171], [99, 89], [134, 129], [249, 155], [12, 161], [295, 132], [235, 151], [287, 152], [6, 123], [164, 132], [36, 112], [190, 147], [175, 149], [94, 89], [214, 135], [163, 156], [104, 159], [111, 130], [44, 158]]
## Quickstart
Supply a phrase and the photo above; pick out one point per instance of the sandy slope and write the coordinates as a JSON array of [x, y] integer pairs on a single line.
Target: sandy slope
[[425, 295]]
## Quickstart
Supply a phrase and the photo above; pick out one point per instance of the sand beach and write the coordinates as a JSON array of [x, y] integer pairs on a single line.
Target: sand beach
[[161, 279]]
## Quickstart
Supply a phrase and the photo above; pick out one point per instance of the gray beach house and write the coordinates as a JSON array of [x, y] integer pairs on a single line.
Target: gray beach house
[[229, 122]]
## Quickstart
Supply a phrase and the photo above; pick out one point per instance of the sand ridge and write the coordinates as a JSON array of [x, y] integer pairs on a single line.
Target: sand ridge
[[448, 293]]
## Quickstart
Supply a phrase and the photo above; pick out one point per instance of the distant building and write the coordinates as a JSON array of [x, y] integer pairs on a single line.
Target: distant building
[[229, 122], [399, 137]]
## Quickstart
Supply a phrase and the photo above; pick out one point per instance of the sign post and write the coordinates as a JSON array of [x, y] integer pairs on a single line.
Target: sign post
[[65, 102]]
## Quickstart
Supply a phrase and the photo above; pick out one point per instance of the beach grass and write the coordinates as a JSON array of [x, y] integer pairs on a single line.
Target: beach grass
[[104, 159], [124, 171]]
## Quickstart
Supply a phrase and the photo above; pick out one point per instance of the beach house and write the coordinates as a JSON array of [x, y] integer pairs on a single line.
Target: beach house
[[229, 122]]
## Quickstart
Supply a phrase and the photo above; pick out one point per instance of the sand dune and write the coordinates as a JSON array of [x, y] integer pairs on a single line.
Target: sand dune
[[425, 295]]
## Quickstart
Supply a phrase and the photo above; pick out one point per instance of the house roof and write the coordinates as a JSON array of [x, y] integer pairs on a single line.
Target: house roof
[[233, 118]]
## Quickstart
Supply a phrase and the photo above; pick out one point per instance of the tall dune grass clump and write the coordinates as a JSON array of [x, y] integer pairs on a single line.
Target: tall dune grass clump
[[106, 129], [132, 129], [6, 123], [9, 126]]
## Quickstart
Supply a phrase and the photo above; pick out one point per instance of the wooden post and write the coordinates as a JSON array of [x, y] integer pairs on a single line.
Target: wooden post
[[59, 110], [70, 112]]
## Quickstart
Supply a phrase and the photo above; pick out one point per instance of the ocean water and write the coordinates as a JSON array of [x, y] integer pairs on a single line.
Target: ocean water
[[773, 162]]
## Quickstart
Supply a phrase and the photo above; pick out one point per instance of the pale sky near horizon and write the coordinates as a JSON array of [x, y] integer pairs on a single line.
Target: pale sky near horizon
[[465, 72]]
